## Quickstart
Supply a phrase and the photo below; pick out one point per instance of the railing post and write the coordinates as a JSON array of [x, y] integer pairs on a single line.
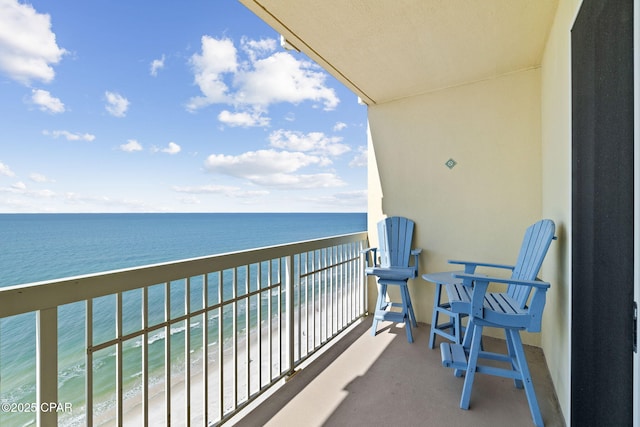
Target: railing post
[[47, 366], [289, 282]]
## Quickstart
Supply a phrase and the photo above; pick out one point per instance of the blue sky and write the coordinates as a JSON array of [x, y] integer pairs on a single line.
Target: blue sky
[[141, 106]]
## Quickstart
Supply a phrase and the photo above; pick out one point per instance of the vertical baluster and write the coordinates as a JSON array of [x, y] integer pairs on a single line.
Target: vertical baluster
[[346, 278], [269, 320], [344, 284], [355, 267], [187, 348], [119, 361], [220, 345], [306, 302], [234, 359], [259, 326], [323, 278], [88, 387], [145, 356], [167, 351], [335, 274], [298, 304], [205, 350], [47, 363], [288, 280], [325, 284], [247, 328], [313, 298], [354, 288], [281, 318], [330, 284]]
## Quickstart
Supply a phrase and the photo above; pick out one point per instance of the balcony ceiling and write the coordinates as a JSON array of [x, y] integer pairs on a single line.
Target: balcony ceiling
[[386, 50]]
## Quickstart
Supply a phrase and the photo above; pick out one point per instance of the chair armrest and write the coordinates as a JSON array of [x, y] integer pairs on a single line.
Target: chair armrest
[[467, 280], [416, 258], [370, 260], [470, 266]]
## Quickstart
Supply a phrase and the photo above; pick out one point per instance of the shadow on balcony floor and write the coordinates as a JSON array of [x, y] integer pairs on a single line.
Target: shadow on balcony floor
[[383, 380]]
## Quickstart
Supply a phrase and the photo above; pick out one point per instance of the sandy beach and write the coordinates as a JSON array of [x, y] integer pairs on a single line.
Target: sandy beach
[[244, 385]]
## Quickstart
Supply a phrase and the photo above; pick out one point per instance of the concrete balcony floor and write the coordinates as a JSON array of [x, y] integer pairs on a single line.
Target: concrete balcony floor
[[363, 380]]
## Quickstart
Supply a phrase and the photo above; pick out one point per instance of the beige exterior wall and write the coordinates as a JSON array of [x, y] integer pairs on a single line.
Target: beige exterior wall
[[511, 137], [480, 209], [556, 199]]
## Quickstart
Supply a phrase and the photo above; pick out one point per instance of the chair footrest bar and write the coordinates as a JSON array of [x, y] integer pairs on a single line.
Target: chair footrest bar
[[453, 356], [391, 316]]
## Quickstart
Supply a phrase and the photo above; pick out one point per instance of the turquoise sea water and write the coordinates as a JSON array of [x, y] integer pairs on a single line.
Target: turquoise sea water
[[38, 247]]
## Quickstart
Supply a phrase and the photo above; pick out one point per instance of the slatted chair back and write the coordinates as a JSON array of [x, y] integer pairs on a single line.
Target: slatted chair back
[[395, 235], [535, 244]]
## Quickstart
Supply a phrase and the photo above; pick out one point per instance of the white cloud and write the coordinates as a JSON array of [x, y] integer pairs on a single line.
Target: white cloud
[[258, 48], [157, 64], [70, 136], [282, 78], [339, 126], [252, 85], [226, 190], [205, 189], [243, 119], [38, 177], [218, 57], [273, 168], [360, 159], [131, 146], [28, 47], [172, 148], [117, 104], [6, 170], [21, 189], [313, 142], [19, 186], [300, 182], [259, 162], [46, 102]]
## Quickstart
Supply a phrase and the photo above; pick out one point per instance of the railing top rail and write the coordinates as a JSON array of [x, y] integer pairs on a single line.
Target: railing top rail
[[31, 297]]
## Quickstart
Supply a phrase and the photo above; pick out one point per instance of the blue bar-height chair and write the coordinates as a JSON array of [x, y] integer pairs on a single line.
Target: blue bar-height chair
[[395, 235], [498, 311], [513, 311], [535, 244]]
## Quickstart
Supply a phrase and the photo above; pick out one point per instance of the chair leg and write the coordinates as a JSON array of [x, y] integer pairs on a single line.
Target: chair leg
[[382, 292], [517, 382], [436, 328], [526, 378], [406, 297], [435, 315], [407, 327], [471, 366], [466, 343]]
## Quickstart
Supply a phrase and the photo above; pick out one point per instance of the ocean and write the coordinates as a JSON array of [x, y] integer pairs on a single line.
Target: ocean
[[39, 247]]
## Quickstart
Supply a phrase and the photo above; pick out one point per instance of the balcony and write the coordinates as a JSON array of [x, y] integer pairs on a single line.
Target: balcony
[[247, 337], [385, 381]]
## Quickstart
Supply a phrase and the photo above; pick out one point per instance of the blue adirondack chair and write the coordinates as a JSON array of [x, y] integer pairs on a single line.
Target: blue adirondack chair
[[395, 236], [498, 311], [513, 311], [535, 244]]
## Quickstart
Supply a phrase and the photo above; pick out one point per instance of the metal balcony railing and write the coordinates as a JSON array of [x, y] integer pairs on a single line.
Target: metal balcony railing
[[182, 343]]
